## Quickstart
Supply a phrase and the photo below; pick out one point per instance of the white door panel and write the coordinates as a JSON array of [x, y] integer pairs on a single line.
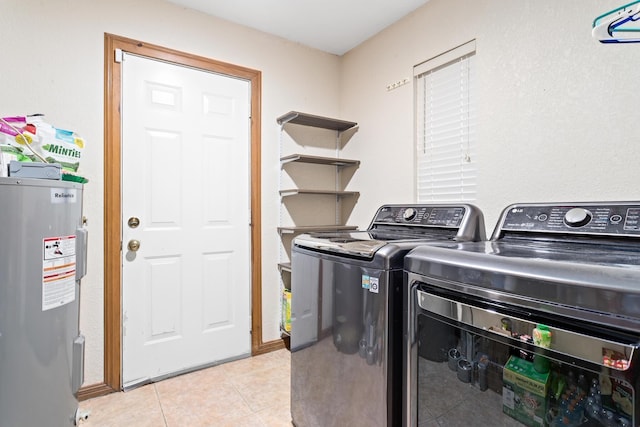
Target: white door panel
[[185, 175]]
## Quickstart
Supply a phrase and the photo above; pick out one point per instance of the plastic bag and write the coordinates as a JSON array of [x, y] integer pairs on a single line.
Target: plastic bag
[[16, 138], [58, 145], [32, 139]]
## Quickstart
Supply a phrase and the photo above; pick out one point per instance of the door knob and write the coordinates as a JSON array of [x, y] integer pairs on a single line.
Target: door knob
[[133, 245], [133, 222]]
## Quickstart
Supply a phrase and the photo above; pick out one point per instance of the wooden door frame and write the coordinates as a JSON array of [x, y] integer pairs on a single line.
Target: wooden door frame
[[112, 198]]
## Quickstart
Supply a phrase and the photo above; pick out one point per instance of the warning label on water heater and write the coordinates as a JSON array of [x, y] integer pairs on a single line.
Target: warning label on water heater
[[58, 271]]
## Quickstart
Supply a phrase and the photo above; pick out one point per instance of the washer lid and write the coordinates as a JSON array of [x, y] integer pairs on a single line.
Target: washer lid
[[361, 243], [401, 223]]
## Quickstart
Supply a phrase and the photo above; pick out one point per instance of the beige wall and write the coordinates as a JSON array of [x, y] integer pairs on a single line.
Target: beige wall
[[557, 109], [52, 63]]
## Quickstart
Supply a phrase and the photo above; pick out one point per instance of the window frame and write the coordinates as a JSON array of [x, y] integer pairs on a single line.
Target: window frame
[[457, 181]]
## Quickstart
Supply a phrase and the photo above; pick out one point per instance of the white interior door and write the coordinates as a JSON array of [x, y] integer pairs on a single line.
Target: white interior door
[[185, 178]]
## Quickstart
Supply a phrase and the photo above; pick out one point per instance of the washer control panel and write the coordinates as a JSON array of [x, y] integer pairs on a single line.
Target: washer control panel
[[421, 215], [613, 219]]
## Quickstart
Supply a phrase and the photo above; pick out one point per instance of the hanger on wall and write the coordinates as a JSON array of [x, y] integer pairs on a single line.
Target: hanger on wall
[[617, 26]]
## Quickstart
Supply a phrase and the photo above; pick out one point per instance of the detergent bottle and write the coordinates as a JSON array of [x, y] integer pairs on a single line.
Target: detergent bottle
[[542, 338]]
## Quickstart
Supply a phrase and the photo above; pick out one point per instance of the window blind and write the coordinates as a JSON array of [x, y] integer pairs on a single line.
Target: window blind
[[446, 123]]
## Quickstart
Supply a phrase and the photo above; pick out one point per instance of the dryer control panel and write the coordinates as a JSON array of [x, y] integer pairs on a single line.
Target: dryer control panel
[[420, 215], [615, 219]]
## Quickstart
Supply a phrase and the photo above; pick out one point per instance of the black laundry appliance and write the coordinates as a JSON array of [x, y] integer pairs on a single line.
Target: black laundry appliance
[[539, 326], [346, 324]]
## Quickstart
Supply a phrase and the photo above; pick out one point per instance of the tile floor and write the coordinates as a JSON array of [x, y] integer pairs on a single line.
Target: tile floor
[[252, 392]]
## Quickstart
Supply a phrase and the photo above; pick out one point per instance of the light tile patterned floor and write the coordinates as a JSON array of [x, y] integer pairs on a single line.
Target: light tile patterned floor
[[252, 392]]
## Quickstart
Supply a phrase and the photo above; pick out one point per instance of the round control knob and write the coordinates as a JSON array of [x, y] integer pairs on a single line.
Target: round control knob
[[409, 214], [577, 217]]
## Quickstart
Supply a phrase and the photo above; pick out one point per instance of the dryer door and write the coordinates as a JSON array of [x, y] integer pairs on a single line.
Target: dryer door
[[476, 362]]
